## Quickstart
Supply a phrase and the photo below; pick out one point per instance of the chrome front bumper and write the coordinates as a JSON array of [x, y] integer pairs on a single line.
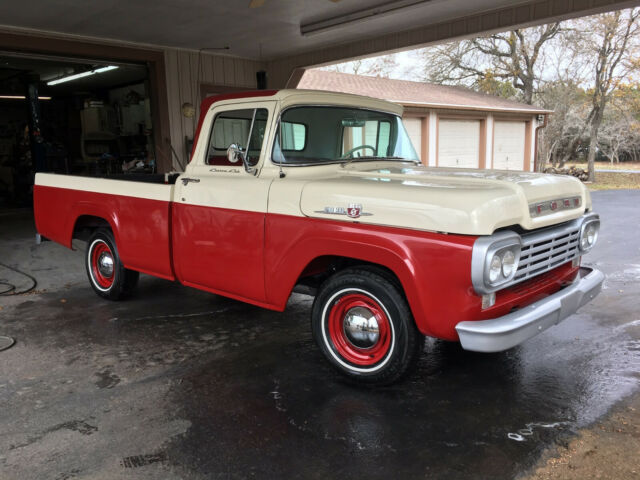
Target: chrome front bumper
[[514, 328]]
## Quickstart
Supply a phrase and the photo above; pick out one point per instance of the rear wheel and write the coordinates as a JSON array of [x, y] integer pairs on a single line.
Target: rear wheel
[[363, 325], [106, 273]]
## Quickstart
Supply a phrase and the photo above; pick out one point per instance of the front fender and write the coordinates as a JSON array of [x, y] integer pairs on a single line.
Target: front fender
[[434, 269]]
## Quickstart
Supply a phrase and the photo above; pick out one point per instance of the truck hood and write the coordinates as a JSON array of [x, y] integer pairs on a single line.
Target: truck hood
[[450, 200]]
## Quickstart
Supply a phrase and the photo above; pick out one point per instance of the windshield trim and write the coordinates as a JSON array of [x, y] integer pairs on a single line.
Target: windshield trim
[[332, 162]]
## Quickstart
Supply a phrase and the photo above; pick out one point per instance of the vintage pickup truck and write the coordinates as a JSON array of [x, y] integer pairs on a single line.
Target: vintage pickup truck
[[324, 192]]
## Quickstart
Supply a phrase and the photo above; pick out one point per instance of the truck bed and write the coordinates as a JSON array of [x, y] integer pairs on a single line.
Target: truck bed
[[139, 208]]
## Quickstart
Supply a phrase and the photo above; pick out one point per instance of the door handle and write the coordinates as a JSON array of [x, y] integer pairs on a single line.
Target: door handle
[[187, 180]]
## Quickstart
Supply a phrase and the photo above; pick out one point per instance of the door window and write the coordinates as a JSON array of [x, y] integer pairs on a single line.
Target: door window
[[240, 127]]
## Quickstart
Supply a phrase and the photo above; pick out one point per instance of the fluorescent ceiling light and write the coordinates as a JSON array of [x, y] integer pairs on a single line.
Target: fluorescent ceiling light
[[81, 75], [359, 16], [20, 97]]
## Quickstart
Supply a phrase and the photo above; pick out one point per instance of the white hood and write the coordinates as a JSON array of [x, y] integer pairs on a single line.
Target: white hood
[[462, 201]]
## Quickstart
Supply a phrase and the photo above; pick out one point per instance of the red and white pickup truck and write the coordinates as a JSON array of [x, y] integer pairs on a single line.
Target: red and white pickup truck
[[322, 190]]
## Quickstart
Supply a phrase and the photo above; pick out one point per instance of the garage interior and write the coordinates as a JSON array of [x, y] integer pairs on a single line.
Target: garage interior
[[181, 384], [73, 116]]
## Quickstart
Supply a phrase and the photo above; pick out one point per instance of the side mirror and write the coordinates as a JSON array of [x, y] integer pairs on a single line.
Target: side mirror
[[234, 153]]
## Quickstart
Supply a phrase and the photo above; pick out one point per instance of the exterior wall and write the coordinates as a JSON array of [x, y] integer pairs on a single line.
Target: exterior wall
[[532, 147], [188, 76], [428, 147]]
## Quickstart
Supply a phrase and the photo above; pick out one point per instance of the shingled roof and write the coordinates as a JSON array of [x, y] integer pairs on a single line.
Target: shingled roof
[[416, 94]]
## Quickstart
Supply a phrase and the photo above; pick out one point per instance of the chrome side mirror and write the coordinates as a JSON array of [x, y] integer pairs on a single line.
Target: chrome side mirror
[[234, 153]]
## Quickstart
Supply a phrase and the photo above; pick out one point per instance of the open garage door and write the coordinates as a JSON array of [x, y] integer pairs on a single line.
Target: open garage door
[[508, 145], [459, 143], [83, 116]]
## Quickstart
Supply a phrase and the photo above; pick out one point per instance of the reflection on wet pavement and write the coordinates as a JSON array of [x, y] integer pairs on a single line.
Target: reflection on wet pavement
[[181, 384]]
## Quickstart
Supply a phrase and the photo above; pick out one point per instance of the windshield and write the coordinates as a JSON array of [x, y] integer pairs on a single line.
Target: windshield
[[316, 135]]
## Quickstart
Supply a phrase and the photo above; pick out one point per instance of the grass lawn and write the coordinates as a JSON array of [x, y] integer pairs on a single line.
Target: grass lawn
[[608, 165], [612, 180]]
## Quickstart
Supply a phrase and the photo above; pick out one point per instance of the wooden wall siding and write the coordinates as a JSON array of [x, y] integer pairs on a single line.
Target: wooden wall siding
[[184, 81], [534, 12]]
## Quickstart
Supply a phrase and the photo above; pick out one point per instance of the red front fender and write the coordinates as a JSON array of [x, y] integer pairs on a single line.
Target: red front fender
[[434, 269]]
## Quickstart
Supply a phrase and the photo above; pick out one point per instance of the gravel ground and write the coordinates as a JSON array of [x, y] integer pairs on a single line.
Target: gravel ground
[[609, 450]]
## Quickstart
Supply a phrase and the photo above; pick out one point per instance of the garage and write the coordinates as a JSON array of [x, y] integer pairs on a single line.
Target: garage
[[64, 115], [458, 143], [450, 126], [509, 145]]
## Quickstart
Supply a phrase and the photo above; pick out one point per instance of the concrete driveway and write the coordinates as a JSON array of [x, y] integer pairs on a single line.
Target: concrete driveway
[[177, 383]]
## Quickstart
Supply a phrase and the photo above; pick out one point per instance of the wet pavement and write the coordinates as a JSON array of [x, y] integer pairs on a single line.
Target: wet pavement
[[177, 383]]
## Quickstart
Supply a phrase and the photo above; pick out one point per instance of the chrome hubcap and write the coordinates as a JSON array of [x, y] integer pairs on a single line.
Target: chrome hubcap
[[361, 327], [105, 264]]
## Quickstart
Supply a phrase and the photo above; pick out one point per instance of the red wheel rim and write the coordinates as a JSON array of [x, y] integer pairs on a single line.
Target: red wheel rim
[[99, 252], [341, 342]]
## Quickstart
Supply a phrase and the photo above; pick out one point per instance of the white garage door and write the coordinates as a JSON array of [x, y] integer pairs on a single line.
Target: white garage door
[[459, 143], [508, 145], [414, 129]]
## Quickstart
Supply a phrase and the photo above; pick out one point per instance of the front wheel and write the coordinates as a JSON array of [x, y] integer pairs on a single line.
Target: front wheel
[[363, 325], [105, 270]]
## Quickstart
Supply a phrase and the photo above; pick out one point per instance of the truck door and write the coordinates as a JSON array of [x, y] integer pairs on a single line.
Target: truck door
[[219, 208]]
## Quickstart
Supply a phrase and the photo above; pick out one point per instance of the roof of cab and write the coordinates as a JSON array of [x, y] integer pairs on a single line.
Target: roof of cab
[[293, 96], [306, 97]]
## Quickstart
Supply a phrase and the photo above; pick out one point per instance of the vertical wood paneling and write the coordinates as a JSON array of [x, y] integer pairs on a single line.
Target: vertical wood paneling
[[184, 78], [218, 71], [239, 71], [207, 61], [184, 93], [229, 71], [173, 100]]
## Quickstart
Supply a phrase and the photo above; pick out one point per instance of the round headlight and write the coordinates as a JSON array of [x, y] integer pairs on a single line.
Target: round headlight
[[508, 263], [589, 235], [495, 267]]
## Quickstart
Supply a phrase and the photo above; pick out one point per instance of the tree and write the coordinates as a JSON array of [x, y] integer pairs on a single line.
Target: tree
[[490, 85], [609, 39], [559, 138], [373, 67], [619, 135], [517, 56]]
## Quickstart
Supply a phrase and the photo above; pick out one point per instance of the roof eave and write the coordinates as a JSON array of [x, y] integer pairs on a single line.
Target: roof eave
[[450, 106]]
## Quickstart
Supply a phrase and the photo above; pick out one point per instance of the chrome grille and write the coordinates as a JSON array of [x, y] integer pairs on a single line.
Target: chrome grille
[[547, 249]]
